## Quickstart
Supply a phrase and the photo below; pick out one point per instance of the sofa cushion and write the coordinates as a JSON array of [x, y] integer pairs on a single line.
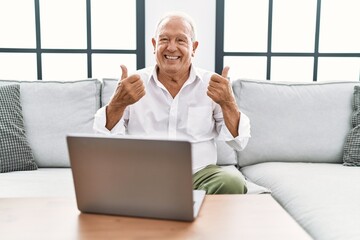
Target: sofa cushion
[[297, 122], [15, 152], [51, 110], [322, 197], [45, 182], [109, 85], [225, 154], [352, 145]]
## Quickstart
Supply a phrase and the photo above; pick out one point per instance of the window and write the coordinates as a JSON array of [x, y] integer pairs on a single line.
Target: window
[[67, 39], [298, 40]]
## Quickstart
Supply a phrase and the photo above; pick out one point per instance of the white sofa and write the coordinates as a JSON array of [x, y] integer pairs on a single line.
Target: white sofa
[[298, 134], [296, 150], [50, 111]]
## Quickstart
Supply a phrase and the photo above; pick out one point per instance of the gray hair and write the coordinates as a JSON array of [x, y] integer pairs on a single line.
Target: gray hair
[[185, 17]]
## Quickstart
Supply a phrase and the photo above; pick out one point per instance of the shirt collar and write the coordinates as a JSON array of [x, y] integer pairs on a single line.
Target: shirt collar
[[194, 75]]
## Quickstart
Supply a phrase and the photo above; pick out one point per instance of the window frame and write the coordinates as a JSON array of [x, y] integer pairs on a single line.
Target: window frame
[[219, 43], [139, 51]]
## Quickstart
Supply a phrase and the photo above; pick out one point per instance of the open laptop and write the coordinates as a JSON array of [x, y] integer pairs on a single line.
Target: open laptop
[[134, 177]]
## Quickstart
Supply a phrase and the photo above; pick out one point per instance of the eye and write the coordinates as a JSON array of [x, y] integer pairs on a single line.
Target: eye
[[163, 39], [181, 41]]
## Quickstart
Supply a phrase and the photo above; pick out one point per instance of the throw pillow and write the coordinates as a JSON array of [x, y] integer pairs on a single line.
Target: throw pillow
[[15, 152], [355, 120], [352, 145]]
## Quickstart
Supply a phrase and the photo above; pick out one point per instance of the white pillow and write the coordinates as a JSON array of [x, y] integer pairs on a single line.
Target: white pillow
[[51, 110], [295, 122]]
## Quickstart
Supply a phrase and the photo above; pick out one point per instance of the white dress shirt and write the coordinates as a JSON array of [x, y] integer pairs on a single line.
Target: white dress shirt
[[191, 115]]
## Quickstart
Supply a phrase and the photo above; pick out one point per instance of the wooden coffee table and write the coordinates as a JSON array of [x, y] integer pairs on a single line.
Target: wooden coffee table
[[221, 217]]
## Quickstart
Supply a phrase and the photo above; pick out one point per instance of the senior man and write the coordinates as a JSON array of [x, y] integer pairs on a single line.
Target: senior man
[[176, 100]]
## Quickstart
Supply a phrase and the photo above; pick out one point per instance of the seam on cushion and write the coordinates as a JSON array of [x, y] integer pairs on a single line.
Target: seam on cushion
[[50, 81], [282, 83], [102, 90], [97, 95]]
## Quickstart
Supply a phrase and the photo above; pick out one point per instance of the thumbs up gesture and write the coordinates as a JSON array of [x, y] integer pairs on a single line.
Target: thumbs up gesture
[[219, 89], [130, 89]]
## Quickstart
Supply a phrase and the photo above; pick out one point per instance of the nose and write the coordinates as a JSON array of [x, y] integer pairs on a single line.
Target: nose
[[171, 46]]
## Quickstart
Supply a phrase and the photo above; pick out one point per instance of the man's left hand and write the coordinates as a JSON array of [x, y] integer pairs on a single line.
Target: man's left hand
[[219, 89]]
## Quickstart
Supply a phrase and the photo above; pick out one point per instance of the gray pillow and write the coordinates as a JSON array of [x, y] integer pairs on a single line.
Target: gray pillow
[[352, 145], [15, 152]]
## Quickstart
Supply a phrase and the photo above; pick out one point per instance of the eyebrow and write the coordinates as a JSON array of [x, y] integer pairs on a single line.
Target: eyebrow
[[179, 35]]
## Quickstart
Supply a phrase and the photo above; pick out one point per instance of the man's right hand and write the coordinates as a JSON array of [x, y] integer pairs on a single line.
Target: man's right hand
[[129, 90]]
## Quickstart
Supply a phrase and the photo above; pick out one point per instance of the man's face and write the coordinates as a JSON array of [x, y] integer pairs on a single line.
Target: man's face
[[173, 47]]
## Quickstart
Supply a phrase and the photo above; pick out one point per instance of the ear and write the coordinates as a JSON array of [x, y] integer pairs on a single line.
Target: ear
[[195, 45], [153, 43]]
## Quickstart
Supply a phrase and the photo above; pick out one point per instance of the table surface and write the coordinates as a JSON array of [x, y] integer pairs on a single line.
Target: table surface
[[221, 217]]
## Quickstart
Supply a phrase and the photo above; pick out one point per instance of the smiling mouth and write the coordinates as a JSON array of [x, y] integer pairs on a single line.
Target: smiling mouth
[[172, 57]]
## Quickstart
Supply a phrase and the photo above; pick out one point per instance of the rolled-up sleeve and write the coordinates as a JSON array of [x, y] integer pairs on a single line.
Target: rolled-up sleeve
[[100, 123], [238, 143]]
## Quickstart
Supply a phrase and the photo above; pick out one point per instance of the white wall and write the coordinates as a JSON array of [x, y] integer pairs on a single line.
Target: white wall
[[203, 14]]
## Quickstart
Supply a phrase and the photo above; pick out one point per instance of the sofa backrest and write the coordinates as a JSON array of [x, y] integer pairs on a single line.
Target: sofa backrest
[[290, 122], [108, 88], [295, 122], [53, 109]]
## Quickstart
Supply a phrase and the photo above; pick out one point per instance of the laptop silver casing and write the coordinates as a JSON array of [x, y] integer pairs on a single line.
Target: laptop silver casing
[[133, 177]]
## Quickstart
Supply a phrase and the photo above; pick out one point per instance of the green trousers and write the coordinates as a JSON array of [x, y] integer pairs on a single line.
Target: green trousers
[[218, 180]]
